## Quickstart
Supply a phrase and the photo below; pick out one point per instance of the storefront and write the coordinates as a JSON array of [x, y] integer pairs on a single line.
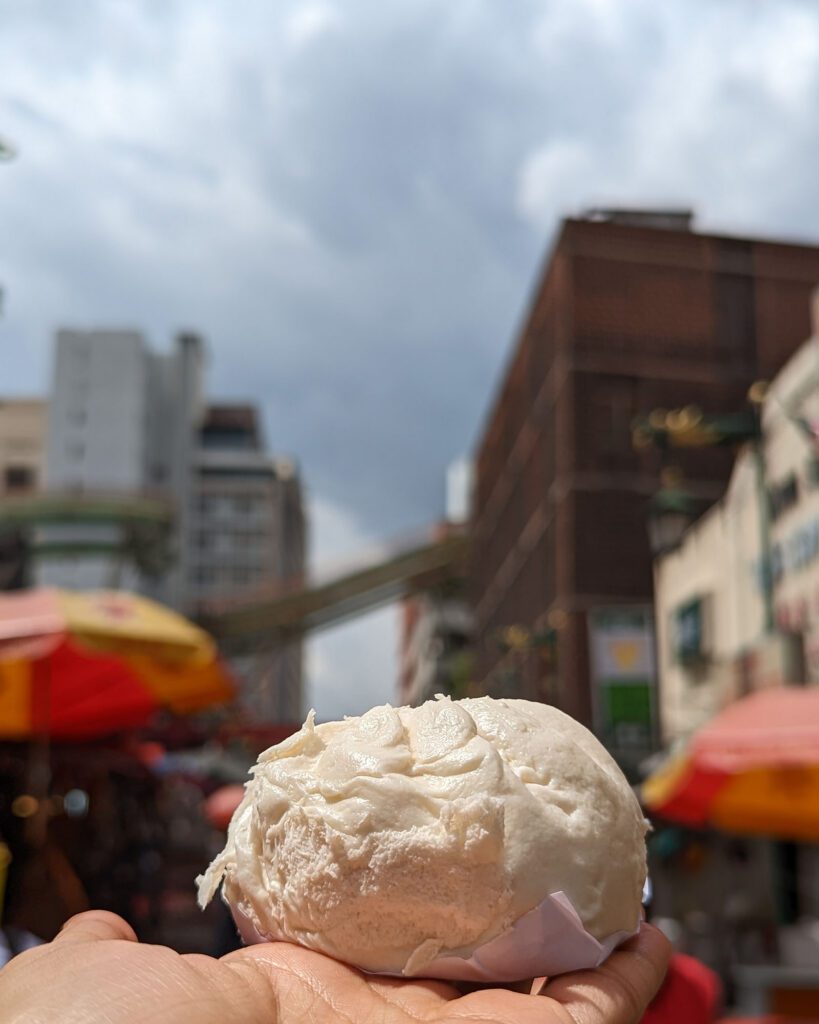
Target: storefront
[[737, 612]]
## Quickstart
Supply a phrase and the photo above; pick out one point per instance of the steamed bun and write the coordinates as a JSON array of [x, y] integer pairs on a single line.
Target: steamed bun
[[408, 834]]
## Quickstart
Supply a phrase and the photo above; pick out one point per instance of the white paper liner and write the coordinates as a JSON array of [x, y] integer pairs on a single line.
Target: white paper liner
[[548, 940]]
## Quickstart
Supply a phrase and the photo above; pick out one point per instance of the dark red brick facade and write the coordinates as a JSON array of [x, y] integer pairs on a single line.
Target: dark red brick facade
[[626, 319]]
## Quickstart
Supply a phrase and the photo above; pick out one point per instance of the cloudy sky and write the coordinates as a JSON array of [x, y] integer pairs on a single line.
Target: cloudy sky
[[351, 200]]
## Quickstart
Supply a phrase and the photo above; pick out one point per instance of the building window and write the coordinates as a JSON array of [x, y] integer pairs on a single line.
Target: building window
[[205, 540], [783, 496], [690, 632], [611, 420], [77, 417], [75, 452], [796, 671], [19, 478], [245, 540], [215, 505]]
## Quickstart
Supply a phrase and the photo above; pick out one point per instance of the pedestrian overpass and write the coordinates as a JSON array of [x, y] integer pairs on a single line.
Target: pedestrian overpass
[[295, 608]]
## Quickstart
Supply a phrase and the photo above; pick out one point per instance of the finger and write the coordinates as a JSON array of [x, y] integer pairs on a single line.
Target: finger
[[96, 926], [620, 989]]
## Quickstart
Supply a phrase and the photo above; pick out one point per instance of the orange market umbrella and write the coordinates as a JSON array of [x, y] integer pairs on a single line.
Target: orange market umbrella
[[77, 665], [754, 769]]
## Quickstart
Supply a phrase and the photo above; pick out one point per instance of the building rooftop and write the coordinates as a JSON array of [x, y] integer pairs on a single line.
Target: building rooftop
[[667, 219], [230, 426]]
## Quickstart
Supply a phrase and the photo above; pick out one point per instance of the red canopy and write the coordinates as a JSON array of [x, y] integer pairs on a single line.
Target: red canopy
[[754, 769], [773, 727], [690, 994]]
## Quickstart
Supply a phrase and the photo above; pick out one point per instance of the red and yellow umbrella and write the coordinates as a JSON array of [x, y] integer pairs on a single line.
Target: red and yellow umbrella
[[754, 769], [76, 665]]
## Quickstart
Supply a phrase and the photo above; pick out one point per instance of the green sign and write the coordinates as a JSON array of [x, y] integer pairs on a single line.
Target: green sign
[[621, 647], [628, 702]]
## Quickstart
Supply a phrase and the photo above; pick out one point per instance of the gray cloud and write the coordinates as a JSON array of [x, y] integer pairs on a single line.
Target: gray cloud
[[351, 200]]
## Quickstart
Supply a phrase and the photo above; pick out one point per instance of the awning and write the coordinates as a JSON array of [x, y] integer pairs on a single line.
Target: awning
[[754, 769], [76, 665]]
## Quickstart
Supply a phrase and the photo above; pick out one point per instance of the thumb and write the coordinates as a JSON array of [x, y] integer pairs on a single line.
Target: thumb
[[619, 990], [95, 926]]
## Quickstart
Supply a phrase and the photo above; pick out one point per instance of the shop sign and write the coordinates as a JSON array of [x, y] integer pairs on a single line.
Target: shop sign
[[621, 647]]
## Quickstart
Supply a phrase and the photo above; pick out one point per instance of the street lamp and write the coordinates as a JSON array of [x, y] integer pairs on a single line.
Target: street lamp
[[671, 512]]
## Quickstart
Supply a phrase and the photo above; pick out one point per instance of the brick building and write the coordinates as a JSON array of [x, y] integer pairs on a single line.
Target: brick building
[[633, 312]]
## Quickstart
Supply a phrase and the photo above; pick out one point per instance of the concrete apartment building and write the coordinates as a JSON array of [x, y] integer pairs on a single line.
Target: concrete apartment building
[[633, 312], [122, 421], [435, 635], [22, 444], [247, 533], [437, 625], [126, 420], [22, 457]]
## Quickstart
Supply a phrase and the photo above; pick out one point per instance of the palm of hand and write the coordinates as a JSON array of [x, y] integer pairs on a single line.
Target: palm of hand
[[81, 979]]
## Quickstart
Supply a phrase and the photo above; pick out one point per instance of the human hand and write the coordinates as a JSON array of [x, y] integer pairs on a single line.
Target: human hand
[[95, 972]]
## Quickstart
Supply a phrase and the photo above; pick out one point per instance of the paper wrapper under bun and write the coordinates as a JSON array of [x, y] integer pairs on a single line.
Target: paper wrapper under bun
[[548, 940]]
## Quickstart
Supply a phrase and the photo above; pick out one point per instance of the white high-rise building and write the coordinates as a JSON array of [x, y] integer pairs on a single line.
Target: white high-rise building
[[125, 421], [122, 422]]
